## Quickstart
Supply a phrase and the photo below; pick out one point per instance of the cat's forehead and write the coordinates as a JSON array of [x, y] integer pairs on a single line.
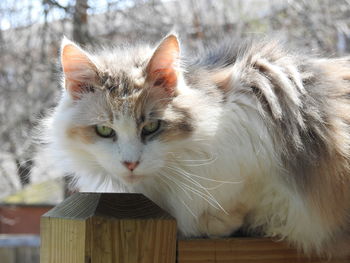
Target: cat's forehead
[[123, 71], [129, 62], [122, 80]]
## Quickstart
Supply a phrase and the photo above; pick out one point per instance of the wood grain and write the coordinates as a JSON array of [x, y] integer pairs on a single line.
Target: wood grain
[[108, 228], [243, 250], [62, 240], [129, 228]]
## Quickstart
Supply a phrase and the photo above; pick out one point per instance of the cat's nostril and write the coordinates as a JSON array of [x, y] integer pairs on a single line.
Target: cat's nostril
[[131, 165]]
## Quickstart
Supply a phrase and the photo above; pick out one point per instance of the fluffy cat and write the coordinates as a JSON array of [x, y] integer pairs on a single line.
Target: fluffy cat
[[248, 136]]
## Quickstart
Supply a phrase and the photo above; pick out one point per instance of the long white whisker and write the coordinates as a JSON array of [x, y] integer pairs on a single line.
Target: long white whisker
[[201, 177], [191, 180], [189, 165], [206, 196], [182, 201], [189, 188], [197, 160], [189, 210], [193, 163], [183, 189]]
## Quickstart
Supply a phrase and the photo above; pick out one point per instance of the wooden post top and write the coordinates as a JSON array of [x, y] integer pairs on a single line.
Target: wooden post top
[[129, 228], [108, 228], [115, 205]]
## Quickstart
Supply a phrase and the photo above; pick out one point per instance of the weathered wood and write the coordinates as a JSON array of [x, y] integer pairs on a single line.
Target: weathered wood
[[7, 255], [19, 254], [19, 248], [129, 228], [242, 250], [104, 227]]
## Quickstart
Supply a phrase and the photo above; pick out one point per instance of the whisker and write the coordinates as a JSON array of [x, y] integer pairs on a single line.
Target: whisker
[[191, 180], [207, 160], [188, 195], [177, 182], [182, 201], [206, 196], [188, 178], [189, 165], [189, 210], [201, 177]]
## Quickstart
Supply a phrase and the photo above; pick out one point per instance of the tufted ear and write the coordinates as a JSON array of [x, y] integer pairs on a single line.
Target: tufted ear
[[80, 73], [162, 68]]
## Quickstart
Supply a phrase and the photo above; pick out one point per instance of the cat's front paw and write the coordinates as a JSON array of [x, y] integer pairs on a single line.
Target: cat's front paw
[[219, 224]]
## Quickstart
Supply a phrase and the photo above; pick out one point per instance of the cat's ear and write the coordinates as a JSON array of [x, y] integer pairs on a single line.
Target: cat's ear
[[80, 73], [162, 69]]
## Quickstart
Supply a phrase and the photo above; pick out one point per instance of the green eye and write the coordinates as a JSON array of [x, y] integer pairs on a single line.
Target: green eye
[[104, 131], [151, 127]]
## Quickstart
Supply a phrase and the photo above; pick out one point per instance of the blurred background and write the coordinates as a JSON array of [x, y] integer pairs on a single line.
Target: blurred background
[[30, 36]]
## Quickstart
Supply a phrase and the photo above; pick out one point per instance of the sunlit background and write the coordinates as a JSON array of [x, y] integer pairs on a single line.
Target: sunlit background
[[30, 36]]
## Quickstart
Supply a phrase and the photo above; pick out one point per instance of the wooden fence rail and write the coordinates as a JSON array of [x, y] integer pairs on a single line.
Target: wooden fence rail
[[129, 228], [15, 248]]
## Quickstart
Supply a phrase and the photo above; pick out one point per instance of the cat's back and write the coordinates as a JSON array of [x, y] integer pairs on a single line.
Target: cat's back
[[304, 102]]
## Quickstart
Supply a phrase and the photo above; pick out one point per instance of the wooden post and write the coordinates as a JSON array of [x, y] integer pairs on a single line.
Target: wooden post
[[107, 228], [244, 250]]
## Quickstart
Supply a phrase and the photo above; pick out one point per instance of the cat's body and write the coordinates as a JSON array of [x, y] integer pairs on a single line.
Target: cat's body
[[250, 137]]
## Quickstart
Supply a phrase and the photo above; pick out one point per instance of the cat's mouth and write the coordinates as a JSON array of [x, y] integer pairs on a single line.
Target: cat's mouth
[[132, 178]]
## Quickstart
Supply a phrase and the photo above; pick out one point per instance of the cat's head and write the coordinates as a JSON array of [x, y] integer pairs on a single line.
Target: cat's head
[[123, 111]]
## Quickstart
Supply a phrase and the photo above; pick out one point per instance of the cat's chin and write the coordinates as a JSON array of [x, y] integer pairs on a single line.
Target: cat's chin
[[133, 179]]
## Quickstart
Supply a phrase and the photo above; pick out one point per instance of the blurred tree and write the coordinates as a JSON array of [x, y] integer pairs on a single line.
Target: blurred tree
[[80, 22]]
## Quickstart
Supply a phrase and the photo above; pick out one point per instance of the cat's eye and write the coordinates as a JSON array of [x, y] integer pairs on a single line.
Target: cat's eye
[[151, 127], [104, 131]]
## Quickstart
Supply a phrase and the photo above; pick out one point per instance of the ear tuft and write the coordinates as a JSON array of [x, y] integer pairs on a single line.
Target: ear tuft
[[79, 71], [162, 69]]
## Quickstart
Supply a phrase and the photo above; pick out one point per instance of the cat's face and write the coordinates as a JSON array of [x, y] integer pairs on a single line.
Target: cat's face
[[122, 117]]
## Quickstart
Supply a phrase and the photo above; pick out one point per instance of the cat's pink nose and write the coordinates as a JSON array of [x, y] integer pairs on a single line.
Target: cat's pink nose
[[131, 165]]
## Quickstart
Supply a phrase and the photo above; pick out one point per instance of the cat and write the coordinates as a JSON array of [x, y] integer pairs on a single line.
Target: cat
[[246, 135]]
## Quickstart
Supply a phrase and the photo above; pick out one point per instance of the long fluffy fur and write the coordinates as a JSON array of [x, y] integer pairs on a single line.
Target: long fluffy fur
[[268, 148]]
